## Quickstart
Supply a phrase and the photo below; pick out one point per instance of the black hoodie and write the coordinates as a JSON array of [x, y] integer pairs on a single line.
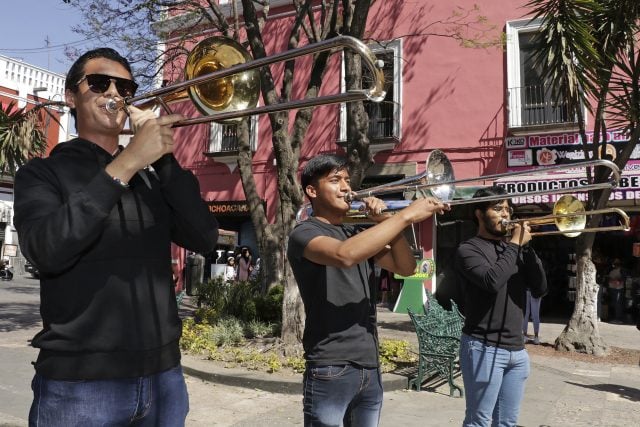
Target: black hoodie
[[103, 252]]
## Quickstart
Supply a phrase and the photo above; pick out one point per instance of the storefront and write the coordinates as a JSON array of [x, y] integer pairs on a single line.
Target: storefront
[[557, 252]]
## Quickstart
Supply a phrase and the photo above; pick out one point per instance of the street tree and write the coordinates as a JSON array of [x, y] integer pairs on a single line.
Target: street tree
[[588, 52], [21, 135], [124, 24]]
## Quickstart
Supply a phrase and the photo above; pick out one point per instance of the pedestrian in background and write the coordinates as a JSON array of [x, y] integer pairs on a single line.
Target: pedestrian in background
[[244, 265], [532, 310], [230, 272]]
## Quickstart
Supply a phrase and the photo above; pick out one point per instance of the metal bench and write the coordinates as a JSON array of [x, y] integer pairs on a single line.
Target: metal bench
[[438, 333], [180, 297]]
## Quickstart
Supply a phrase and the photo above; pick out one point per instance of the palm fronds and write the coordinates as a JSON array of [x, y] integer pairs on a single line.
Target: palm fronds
[[20, 135]]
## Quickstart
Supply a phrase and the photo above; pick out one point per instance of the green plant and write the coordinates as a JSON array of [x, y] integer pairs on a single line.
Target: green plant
[[393, 352], [258, 329], [196, 337], [21, 135], [298, 364], [269, 306], [207, 315], [227, 331], [213, 293]]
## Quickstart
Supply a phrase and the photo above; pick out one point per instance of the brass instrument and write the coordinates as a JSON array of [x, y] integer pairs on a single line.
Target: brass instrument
[[438, 181], [224, 83], [570, 219]]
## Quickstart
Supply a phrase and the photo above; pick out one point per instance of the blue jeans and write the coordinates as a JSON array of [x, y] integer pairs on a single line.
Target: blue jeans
[[342, 395], [156, 400], [493, 382], [532, 308]]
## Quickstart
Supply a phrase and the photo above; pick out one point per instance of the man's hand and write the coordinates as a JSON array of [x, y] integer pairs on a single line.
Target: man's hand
[[521, 233], [374, 209], [152, 140], [137, 117], [421, 209]]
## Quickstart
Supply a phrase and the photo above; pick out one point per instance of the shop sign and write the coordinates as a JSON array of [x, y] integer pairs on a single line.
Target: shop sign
[[515, 142], [10, 250], [628, 187], [519, 158], [560, 139], [563, 148], [231, 208]]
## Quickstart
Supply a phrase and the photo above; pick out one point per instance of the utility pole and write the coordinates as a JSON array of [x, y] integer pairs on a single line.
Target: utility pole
[[47, 42]]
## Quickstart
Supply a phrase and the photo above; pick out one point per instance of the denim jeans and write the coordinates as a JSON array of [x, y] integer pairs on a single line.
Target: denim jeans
[[156, 400], [342, 395], [493, 383], [532, 308]]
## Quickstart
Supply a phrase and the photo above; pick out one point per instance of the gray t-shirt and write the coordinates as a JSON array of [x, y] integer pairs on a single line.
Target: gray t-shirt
[[339, 302]]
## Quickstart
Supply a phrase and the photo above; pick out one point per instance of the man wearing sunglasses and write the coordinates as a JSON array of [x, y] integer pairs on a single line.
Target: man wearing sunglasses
[[494, 270], [98, 223]]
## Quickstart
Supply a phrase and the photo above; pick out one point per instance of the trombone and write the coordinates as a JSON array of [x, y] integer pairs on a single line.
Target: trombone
[[570, 219], [438, 181], [223, 81]]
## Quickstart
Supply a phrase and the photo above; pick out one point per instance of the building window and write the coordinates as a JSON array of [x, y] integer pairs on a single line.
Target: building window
[[385, 116], [224, 137], [530, 100]]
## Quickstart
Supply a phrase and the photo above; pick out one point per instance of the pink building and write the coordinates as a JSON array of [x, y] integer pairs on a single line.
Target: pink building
[[486, 108]]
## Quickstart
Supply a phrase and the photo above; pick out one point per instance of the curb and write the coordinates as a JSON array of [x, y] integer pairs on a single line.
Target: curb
[[274, 383]]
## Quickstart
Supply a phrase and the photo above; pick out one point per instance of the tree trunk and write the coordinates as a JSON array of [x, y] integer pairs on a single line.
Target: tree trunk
[[582, 333], [293, 316]]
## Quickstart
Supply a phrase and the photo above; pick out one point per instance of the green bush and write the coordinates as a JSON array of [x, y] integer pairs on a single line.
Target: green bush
[[196, 337], [269, 306], [213, 294], [393, 352], [242, 300], [257, 329], [227, 331]]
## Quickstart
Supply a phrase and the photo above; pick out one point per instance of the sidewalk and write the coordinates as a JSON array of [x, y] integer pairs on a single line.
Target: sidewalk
[[559, 391]]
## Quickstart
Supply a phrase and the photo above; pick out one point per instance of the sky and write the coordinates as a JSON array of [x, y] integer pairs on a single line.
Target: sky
[[25, 26]]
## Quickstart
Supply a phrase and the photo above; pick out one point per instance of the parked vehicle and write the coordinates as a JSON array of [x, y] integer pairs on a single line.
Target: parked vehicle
[[6, 271], [31, 269]]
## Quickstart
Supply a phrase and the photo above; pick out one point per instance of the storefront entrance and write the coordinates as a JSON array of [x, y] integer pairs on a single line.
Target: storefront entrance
[[557, 253]]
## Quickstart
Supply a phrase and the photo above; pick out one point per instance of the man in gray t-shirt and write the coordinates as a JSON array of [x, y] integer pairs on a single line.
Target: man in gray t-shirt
[[333, 265]]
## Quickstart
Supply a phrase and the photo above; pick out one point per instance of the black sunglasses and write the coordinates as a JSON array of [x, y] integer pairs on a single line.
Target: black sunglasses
[[99, 83]]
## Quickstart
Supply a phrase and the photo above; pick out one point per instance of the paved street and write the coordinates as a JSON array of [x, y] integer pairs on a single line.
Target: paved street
[[560, 392]]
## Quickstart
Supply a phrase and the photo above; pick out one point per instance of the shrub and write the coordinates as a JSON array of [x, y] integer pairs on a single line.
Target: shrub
[[242, 300], [393, 352], [213, 294], [196, 337], [269, 306], [227, 331], [258, 329]]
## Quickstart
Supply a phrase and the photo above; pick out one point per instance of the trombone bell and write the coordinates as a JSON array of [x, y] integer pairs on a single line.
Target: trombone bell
[[231, 93], [568, 205]]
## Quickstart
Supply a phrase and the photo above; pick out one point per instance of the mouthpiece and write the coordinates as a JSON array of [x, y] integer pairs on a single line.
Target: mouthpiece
[[114, 106]]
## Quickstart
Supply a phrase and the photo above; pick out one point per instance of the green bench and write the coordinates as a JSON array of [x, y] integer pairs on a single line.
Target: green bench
[[439, 332], [180, 297]]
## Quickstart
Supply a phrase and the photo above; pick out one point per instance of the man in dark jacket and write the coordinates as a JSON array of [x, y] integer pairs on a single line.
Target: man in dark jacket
[[98, 224], [495, 269]]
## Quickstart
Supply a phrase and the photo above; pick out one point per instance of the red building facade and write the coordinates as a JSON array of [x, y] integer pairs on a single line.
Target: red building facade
[[485, 107]]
